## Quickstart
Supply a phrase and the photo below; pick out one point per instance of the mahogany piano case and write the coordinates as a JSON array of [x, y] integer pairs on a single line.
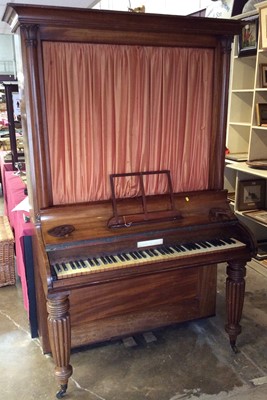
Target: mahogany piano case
[[125, 119]]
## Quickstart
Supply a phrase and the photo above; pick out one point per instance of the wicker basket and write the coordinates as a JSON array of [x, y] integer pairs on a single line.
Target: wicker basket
[[7, 262]]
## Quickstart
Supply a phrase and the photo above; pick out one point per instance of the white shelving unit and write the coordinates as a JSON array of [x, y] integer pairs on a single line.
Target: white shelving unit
[[241, 97], [243, 133]]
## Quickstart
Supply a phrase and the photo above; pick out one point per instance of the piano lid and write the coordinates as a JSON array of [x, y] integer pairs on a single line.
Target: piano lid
[[90, 221]]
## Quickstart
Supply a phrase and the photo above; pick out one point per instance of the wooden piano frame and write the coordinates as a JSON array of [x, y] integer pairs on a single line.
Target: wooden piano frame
[[92, 310]]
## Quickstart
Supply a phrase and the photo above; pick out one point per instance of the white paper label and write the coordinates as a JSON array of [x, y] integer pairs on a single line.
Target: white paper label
[[146, 243]]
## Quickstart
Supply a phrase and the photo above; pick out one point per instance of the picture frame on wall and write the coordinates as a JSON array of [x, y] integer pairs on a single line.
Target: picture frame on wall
[[220, 9], [225, 8], [251, 194], [248, 38], [263, 75], [261, 114]]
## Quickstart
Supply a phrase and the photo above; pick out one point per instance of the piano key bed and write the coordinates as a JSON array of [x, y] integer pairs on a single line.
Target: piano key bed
[[70, 268]]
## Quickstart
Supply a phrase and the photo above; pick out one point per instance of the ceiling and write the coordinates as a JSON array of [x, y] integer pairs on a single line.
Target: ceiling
[[4, 28]]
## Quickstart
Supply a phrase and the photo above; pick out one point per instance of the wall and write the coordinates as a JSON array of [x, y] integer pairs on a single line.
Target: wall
[[178, 7]]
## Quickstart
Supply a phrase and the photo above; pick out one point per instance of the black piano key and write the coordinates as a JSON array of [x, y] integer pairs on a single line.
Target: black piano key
[[58, 267], [202, 244], [113, 259], [96, 261], [149, 253], [91, 262], [120, 256], [78, 265], [189, 246], [127, 258], [181, 248], [218, 242], [170, 249], [133, 255], [186, 246], [161, 251], [229, 240], [82, 263], [72, 264], [157, 252], [143, 254], [176, 248], [104, 260], [138, 255], [64, 266], [165, 248]]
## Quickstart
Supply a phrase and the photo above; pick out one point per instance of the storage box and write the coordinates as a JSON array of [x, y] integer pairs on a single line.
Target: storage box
[[7, 262]]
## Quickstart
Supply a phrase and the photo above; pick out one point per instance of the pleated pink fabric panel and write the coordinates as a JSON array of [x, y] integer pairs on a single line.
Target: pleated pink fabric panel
[[116, 109]]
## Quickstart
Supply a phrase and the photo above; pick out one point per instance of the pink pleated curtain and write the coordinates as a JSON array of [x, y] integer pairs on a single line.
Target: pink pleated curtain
[[116, 109]]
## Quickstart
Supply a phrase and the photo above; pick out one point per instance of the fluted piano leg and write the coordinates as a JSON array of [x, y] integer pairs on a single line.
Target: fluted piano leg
[[60, 339], [235, 292]]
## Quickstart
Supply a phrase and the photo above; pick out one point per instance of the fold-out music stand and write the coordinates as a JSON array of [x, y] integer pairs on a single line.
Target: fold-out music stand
[[145, 216]]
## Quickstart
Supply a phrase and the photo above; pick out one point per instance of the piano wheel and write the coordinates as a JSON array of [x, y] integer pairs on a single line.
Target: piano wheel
[[234, 347], [62, 391]]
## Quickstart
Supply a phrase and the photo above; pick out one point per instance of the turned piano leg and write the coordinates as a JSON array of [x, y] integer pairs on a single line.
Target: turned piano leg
[[235, 292], [60, 339]]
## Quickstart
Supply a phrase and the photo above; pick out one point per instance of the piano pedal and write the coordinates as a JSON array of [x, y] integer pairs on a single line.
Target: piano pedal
[[129, 342], [141, 339], [149, 337]]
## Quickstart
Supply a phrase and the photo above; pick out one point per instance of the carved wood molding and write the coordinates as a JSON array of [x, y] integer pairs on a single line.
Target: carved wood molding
[[30, 34]]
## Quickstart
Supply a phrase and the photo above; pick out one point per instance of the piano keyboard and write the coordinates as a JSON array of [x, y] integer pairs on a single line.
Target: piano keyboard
[[72, 268]]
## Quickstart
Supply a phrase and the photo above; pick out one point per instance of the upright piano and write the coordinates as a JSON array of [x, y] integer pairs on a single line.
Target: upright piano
[[125, 121]]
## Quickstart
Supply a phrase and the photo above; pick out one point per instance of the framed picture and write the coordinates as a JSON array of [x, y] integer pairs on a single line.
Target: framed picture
[[263, 26], [248, 38], [250, 194], [263, 72], [261, 114], [220, 9]]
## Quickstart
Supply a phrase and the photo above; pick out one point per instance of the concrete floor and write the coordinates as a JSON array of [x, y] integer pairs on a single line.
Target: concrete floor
[[188, 361]]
